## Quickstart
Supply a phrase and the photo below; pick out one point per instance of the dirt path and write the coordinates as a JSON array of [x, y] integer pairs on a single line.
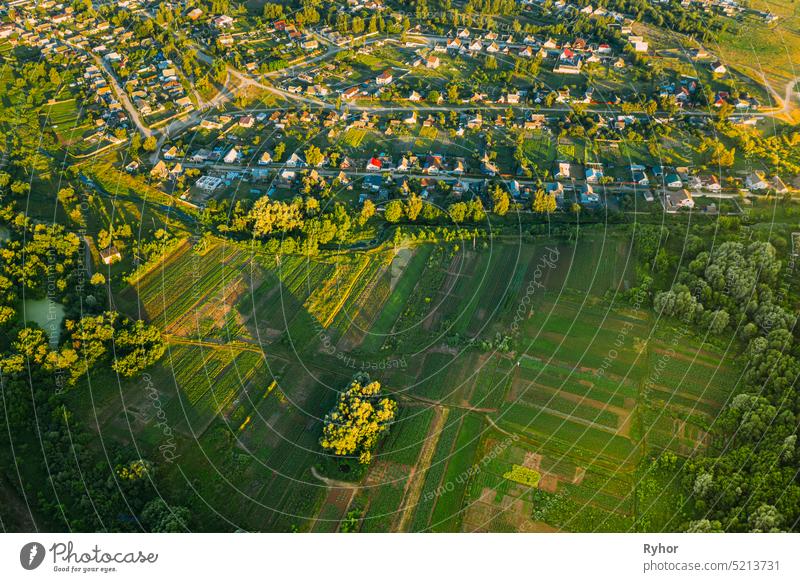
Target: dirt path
[[333, 482], [417, 479], [432, 402], [783, 103], [213, 344]]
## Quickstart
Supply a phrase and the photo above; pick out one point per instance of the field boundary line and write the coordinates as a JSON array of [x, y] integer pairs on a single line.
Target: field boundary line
[[417, 480]]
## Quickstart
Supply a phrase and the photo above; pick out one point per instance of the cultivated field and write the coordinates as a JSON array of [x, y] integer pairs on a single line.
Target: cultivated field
[[532, 395]]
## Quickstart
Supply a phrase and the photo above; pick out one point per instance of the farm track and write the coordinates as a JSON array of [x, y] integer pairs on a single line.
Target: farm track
[[217, 345], [416, 480], [333, 483], [432, 402]]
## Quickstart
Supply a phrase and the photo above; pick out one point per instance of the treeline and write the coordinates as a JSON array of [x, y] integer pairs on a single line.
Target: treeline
[[749, 479], [67, 480]]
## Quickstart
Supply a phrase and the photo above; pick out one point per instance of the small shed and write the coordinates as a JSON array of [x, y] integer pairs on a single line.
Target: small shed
[[110, 255]]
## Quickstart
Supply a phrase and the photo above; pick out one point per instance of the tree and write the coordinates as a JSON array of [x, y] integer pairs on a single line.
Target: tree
[[458, 211], [280, 149], [158, 517], [358, 420], [452, 93], [719, 321], [475, 210], [500, 200], [543, 202], [394, 211], [150, 144], [135, 145], [137, 347], [314, 157], [367, 212], [413, 206]]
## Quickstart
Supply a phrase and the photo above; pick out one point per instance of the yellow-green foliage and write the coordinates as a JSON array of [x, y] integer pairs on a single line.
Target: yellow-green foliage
[[357, 421], [523, 475]]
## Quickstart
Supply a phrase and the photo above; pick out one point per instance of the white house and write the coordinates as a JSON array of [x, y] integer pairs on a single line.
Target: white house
[[232, 156], [756, 181]]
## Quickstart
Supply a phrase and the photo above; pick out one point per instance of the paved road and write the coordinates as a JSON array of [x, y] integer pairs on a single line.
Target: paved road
[[123, 97]]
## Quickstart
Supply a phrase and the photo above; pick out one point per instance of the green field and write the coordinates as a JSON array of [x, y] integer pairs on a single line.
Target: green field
[[579, 394]]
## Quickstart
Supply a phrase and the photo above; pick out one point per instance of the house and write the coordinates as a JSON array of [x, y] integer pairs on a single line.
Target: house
[[475, 121], [476, 45], [208, 124], [710, 183], [638, 176], [385, 78], [510, 98], [639, 44], [159, 171], [779, 186], [555, 189], [563, 172], [432, 62], [287, 178], [454, 45], [673, 181], [232, 156], [718, 68], [433, 164], [568, 62], [586, 194], [223, 21], [460, 188], [414, 96], [171, 153], [488, 167], [208, 183], [246, 121], [594, 173], [755, 181], [534, 121], [265, 159], [373, 182], [110, 255], [679, 199], [374, 165], [295, 161], [350, 94]]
